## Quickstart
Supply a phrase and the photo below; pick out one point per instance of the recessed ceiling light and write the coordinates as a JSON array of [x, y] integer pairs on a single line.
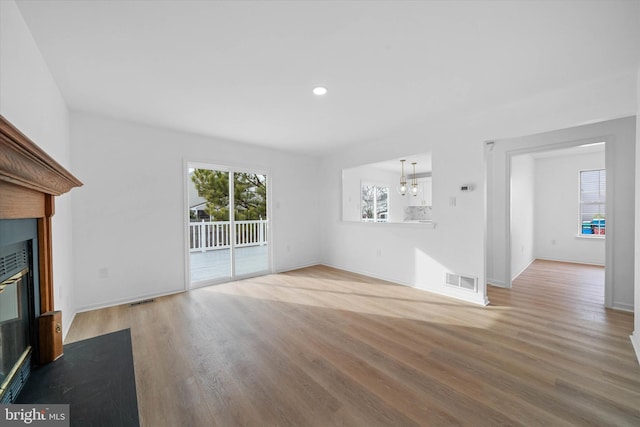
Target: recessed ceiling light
[[319, 90]]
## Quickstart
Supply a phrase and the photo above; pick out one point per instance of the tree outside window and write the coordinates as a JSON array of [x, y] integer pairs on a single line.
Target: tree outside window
[[250, 198], [375, 203]]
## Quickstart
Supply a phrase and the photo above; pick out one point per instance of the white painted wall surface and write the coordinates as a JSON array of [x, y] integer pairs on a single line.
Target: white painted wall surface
[[105, 151], [352, 179], [412, 254], [620, 152], [635, 337], [129, 216], [591, 102], [523, 186], [419, 257], [31, 101], [351, 194], [556, 210]]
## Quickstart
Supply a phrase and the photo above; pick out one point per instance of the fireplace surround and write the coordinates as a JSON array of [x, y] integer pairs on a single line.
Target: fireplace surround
[[29, 181]]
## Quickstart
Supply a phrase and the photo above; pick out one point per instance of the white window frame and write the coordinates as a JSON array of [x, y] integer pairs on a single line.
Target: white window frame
[[601, 201], [375, 210], [189, 164]]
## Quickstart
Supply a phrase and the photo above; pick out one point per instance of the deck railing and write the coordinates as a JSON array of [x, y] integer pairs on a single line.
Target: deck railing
[[210, 235]]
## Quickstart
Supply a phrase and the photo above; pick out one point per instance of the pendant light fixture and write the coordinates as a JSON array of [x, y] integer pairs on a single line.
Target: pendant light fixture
[[414, 182], [402, 189]]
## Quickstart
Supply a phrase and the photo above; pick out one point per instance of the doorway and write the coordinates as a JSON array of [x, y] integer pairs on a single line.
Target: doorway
[[502, 242], [557, 208], [228, 224], [620, 154]]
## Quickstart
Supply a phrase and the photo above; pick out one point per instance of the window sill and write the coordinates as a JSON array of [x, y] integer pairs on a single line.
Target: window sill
[[416, 224], [591, 236]]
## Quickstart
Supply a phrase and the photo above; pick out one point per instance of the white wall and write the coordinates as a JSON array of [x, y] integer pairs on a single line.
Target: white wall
[[556, 212], [620, 152], [523, 187], [30, 99], [412, 254], [104, 153], [353, 178], [635, 338], [351, 194], [129, 216], [419, 256]]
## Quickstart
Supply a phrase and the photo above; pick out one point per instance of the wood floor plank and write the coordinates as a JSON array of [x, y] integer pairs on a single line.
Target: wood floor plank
[[324, 347]]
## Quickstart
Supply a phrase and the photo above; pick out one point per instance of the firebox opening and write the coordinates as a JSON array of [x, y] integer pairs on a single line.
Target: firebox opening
[[18, 304]]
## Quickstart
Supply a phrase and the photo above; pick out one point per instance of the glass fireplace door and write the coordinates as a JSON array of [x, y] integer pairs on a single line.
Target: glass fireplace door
[[15, 312]]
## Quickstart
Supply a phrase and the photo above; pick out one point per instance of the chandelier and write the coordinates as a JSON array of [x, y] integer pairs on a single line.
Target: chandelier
[[403, 188]]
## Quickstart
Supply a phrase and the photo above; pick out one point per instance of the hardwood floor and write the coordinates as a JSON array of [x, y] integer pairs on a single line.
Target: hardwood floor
[[322, 347]]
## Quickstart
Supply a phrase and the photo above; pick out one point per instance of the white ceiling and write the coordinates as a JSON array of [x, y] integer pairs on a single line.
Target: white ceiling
[[422, 160], [244, 70]]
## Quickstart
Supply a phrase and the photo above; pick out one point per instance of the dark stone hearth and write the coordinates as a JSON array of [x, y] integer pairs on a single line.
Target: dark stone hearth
[[95, 377]]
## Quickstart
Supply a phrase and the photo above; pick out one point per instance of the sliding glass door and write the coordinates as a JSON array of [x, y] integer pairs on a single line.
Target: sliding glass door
[[251, 254], [228, 235]]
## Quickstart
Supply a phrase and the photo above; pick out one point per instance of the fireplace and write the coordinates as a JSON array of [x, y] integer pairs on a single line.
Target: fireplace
[[29, 182], [16, 306], [18, 335]]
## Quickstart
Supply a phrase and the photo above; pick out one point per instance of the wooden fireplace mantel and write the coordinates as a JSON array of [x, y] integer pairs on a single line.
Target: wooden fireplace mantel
[[29, 181]]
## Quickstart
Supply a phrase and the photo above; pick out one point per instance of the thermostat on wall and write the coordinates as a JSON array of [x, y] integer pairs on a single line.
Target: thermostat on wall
[[467, 187]]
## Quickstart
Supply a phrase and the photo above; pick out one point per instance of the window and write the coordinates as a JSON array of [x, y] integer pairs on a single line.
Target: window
[[386, 175], [592, 202], [374, 203]]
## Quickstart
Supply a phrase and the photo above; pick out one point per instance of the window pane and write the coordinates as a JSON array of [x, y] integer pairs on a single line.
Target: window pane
[[382, 197], [209, 229], [592, 201], [367, 202], [250, 214], [374, 203]]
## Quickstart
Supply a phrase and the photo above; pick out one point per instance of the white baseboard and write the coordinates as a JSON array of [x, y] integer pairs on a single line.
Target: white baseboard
[[522, 270], [128, 300], [132, 299], [462, 295], [496, 282], [66, 324], [367, 273], [635, 341], [622, 306], [569, 261], [295, 267]]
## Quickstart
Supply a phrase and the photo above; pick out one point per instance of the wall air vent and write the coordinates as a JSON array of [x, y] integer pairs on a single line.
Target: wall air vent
[[462, 282], [144, 301]]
